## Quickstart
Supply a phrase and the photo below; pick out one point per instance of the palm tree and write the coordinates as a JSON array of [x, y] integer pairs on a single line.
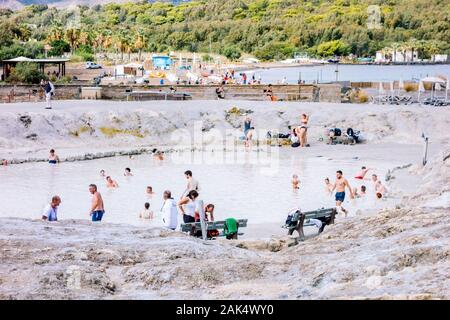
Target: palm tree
[[121, 44], [139, 44], [55, 34], [73, 36]]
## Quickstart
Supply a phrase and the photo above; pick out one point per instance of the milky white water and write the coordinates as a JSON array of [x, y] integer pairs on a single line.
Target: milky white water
[[243, 190]]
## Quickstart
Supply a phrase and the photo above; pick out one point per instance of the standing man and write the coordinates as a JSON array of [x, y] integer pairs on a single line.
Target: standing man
[[169, 211], [340, 185], [49, 89], [50, 212], [192, 183], [97, 208]]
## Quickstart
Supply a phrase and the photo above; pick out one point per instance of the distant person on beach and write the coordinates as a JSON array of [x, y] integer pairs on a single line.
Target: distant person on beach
[[4, 162], [340, 185], [209, 217], [188, 206], [192, 183], [269, 92], [97, 207], [49, 89], [169, 211], [53, 157], [220, 92], [127, 172], [146, 213], [50, 212], [149, 191], [302, 130], [110, 183], [102, 173], [361, 174], [248, 131], [328, 186], [284, 81], [295, 182]]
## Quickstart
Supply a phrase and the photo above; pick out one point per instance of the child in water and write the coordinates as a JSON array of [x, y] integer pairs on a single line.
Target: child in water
[[146, 213], [295, 182]]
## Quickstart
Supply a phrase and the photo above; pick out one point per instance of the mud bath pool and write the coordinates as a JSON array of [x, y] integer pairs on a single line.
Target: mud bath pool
[[242, 190]]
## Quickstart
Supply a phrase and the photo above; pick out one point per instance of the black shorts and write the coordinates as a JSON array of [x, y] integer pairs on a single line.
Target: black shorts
[[188, 218]]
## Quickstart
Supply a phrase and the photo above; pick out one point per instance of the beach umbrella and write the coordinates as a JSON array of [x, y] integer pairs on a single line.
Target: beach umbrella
[[433, 80]]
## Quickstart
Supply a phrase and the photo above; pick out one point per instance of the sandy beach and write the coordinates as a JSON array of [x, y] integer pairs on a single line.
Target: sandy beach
[[398, 250]]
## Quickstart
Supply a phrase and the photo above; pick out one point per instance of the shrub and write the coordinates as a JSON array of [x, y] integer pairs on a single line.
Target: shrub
[[232, 52], [26, 72], [59, 47]]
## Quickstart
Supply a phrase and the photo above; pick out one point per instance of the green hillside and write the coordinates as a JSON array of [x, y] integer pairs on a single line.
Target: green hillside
[[268, 29]]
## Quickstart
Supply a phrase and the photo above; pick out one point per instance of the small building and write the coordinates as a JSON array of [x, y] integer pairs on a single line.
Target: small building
[[8, 65], [441, 58], [161, 62], [130, 69]]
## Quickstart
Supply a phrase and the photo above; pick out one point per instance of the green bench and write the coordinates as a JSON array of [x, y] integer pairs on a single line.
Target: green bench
[[303, 219], [194, 227]]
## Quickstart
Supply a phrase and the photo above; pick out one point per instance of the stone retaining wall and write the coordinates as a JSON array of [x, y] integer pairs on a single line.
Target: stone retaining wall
[[21, 93]]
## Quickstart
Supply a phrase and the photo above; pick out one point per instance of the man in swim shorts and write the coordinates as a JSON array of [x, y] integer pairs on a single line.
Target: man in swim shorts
[[53, 157], [97, 207], [340, 185]]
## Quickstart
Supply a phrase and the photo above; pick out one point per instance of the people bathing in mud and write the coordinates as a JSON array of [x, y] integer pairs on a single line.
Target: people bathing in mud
[[191, 185], [102, 173], [328, 186], [110, 183], [149, 192], [340, 185], [127, 172], [360, 193], [169, 211], [53, 157], [295, 182], [50, 212], [97, 207], [146, 213], [158, 155], [362, 173], [380, 189]]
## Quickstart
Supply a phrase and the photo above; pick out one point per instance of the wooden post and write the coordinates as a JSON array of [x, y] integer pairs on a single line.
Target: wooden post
[[201, 209], [425, 152]]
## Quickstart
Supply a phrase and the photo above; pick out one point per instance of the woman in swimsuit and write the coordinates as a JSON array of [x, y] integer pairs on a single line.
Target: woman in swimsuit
[[53, 158], [301, 131]]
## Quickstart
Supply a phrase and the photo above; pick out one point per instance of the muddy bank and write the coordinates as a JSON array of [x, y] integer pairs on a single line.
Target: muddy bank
[[400, 253]]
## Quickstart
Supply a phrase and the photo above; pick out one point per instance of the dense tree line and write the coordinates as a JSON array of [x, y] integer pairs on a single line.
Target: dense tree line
[[267, 29]]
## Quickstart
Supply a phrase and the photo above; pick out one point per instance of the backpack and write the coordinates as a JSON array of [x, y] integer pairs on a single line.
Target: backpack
[[337, 132], [292, 219], [52, 86], [230, 227], [350, 132]]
